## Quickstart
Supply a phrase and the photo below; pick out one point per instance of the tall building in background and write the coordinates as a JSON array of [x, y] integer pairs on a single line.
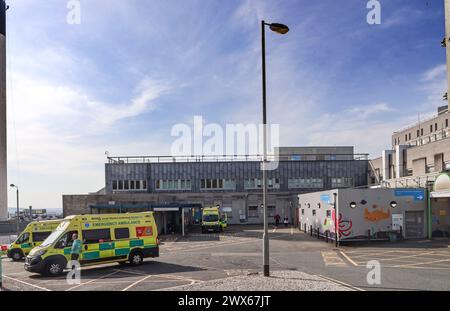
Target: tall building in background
[[3, 143]]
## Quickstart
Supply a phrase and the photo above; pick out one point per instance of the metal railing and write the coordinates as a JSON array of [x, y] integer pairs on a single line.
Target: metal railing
[[422, 181], [235, 158]]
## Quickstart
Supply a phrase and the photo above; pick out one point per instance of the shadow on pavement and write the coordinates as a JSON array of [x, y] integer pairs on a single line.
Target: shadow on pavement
[[147, 268]]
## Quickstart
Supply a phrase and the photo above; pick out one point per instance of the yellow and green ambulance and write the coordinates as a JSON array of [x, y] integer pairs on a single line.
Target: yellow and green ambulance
[[33, 235], [105, 238], [213, 219]]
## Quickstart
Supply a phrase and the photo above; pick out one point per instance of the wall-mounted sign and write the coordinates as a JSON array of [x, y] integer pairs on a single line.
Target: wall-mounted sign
[[397, 221], [417, 194], [325, 198]]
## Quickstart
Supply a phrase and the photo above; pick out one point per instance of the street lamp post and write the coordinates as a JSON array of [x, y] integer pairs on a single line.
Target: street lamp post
[[281, 29], [18, 212]]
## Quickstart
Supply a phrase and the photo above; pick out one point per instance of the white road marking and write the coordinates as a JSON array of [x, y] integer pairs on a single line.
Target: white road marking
[[26, 283], [91, 281]]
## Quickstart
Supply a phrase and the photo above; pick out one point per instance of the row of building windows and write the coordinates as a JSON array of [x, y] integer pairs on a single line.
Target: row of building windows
[[420, 133], [218, 184], [230, 184], [256, 183], [129, 185], [179, 184]]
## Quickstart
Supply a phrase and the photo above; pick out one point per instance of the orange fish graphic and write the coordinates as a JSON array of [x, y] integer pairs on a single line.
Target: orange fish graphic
[[376, 215]]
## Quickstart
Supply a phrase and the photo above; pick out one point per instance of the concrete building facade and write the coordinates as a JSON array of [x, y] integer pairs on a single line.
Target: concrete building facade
[[234, 183]]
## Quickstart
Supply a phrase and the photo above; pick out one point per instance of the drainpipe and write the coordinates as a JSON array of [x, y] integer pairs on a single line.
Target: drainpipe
[[429, 222]]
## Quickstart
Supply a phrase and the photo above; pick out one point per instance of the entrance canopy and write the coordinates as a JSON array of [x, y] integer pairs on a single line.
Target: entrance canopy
[[441, 187], [146, 206]]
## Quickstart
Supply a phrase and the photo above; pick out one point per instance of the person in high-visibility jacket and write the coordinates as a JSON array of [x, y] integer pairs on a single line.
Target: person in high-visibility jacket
[[76, 247]]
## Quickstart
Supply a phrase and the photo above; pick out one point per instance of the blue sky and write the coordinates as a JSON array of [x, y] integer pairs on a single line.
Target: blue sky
[[132, 69]]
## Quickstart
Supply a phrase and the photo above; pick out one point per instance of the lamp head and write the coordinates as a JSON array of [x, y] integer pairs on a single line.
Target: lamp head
[[279, 28]]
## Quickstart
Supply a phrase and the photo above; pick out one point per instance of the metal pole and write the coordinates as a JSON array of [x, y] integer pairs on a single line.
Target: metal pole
[[3, 129], [182, 222], [18, 212], [266, 229], [336, 220]]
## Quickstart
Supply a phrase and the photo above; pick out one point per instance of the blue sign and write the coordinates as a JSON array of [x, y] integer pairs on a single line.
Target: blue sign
[[325, 198], [86, 225], [418, 195]]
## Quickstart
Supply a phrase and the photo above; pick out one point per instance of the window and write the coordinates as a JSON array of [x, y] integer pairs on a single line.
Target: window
[[23, 238], [342, 182], [256, 183], [446, 122], [421, 132], [303, 211], [435, 127], [270, 210], [40, 236], [174, 185], [126, 185], [93, 236], [314, 212], [431, 128], [217, 184], [309, 183], [66, 240], [137, 184], [409, 136], [418, 133], [122, 233], [406, 137], [144, 184], [132, 185], [114, 184], [120, 185], [253, 211], [328, 213]]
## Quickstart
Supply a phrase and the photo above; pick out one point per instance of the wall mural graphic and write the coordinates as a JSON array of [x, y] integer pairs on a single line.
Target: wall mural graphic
[[345, 226], [377, 215]]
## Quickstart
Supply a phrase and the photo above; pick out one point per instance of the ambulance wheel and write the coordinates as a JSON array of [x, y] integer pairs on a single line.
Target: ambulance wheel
[[136, 258], [54, 268], [16, 254]]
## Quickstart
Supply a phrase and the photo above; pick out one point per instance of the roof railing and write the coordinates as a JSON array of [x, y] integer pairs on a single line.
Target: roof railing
[[235, 158]]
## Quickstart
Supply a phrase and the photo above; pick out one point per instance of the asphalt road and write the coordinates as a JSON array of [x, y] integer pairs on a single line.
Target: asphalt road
[[417, 265]]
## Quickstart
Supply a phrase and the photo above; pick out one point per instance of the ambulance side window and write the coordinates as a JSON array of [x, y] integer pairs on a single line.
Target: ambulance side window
[[23, 238], [122, 233], [95, 236], [65, 240], [40, 236]]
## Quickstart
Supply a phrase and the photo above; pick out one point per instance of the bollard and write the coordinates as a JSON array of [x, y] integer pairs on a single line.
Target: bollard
[[1, 272], [326, 236], [310, 230], [305, 228], [368, 236], [318, 233]]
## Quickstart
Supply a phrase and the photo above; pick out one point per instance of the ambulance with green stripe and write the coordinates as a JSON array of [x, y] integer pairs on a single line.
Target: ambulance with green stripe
[[33, 235], [105, 238]]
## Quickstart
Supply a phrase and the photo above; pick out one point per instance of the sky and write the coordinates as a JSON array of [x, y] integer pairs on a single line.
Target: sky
[[131, 70]]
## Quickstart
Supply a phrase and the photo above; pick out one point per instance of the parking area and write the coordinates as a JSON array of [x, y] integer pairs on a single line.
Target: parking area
[[200, 258]]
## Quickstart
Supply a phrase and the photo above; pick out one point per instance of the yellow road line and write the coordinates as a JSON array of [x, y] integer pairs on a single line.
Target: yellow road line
[[421, 263], [136, 283], [340, 283], [348, 258]]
